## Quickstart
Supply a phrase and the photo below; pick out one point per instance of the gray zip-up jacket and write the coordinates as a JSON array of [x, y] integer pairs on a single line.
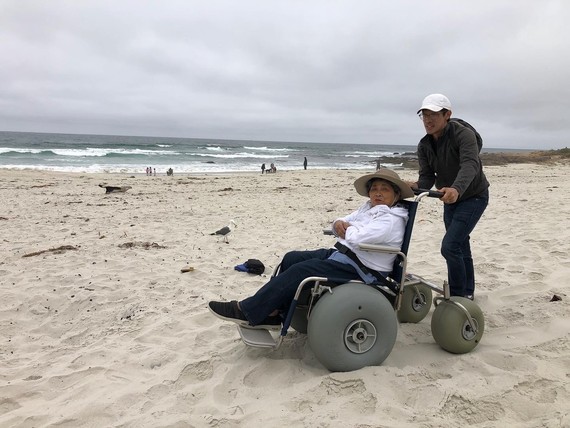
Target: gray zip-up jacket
[[452, 161]]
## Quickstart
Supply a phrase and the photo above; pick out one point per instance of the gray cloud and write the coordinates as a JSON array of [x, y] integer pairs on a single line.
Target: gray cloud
[[320, 71]]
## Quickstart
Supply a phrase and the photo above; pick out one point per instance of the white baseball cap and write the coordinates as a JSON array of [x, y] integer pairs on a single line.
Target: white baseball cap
[[435, 102]]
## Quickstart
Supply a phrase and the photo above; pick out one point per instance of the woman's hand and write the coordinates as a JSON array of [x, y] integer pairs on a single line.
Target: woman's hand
[[340, 228]]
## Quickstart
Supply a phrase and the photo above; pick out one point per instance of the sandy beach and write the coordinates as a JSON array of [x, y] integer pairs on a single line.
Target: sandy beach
[[107, 331]]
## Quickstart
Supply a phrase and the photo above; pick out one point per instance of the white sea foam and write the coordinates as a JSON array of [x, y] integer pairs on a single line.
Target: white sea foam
[[92, 153], [239, 155], [269, 149], [19, 150]]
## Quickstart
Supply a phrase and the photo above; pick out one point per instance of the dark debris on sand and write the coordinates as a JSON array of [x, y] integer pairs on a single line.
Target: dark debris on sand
[[145, 245]]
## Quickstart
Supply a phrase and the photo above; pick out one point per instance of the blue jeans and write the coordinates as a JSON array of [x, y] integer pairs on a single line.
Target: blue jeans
[[279, 292], [460, 220]]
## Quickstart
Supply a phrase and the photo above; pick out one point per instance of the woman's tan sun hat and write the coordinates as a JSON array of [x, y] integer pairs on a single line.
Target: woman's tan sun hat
[[384, 174]]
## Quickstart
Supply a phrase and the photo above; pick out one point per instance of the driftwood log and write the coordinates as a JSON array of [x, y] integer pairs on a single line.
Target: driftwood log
[[111, 189], [57, 250]]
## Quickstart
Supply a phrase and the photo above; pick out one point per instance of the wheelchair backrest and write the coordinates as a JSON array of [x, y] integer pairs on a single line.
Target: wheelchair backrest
[[412, 207]]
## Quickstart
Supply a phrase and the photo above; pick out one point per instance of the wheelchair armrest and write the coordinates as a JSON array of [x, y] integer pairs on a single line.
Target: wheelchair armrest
[[379, 248]]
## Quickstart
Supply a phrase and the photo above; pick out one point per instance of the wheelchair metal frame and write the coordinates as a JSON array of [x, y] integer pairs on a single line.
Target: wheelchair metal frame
[[262, 338]]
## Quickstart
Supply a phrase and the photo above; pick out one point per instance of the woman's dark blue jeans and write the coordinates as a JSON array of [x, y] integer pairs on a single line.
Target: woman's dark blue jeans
[[460, 220], [296, 266]]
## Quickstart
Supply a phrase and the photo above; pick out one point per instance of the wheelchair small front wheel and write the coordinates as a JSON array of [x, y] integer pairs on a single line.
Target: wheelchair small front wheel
[[416, 303], [450, 326], [353, 327]]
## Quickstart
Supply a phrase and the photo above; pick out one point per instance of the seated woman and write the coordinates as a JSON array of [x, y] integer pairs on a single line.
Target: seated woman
[[380, 220]]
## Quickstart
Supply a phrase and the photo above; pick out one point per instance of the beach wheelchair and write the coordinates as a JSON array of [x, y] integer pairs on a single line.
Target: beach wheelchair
[[354, 325]]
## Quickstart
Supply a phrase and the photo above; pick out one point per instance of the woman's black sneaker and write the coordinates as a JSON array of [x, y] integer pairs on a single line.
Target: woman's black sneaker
[[229, 311]]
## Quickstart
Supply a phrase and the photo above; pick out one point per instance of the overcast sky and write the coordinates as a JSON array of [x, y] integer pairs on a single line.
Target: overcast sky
[[316, 71]]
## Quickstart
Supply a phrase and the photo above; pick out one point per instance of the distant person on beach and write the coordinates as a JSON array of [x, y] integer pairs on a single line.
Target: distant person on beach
[[262, 168], [155, 172], [305, 163], [448, 157], [378, 166], [380, 220]]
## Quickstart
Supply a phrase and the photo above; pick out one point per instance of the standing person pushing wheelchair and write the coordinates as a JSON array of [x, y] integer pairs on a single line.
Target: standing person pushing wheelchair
[[448, 157]]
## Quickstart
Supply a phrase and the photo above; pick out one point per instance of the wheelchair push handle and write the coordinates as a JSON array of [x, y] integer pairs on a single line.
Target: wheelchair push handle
[[430, 193]]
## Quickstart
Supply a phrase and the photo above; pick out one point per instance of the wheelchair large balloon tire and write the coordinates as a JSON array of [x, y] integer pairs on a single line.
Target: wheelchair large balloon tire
[[415, 308], [450, 326], [353, 327]]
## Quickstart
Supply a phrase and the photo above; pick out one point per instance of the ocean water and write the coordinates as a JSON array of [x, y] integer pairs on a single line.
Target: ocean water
[[129, 154]]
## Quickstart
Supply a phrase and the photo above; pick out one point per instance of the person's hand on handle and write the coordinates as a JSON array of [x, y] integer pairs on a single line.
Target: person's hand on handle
[[450, 195], [412, 184]]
